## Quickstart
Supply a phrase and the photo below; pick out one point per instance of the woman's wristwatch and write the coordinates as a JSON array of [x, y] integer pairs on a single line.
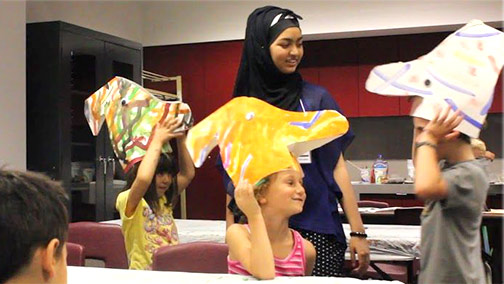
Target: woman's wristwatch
[[358, 234]]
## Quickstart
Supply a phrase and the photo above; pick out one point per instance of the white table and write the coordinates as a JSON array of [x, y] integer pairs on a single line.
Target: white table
[[385, 240], [86, 275]]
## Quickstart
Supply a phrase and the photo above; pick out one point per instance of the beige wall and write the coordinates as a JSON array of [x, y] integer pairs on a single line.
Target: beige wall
[[173, 22], [200, 21], [119, 18], [12, 85]]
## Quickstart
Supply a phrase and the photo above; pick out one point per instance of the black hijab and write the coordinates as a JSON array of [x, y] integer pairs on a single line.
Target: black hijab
[[258, 76]]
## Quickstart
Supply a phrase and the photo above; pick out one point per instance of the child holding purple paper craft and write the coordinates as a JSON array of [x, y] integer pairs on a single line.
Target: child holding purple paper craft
[[459, 76]]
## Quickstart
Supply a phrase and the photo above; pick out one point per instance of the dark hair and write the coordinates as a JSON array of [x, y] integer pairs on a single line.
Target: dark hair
[[167, 164], [32, 213], [463, 137]]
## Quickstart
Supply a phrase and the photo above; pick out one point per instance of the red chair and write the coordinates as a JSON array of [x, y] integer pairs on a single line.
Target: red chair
[[101, 241], [75, 254], [204, 257], [372, 203]]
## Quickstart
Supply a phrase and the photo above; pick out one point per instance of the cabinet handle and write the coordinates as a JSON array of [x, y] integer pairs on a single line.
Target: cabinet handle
[[112, 160], [104, 161]]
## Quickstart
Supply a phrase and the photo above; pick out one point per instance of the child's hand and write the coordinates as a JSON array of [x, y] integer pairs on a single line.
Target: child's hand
[[245, 198], [442, 125], [164, 131]]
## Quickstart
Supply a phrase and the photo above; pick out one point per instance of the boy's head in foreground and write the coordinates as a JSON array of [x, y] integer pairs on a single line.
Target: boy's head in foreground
[[447, 146], [33, 229]]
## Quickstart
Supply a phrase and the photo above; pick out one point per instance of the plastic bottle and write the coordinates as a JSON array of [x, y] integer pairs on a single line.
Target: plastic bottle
[[380, 170], [365, 176]]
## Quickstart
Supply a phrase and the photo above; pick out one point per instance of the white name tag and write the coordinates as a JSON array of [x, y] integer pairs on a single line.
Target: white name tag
[[305, 158]]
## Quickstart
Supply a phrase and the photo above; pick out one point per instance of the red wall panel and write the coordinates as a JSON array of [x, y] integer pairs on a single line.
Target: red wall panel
[[372, 52], [184, 60], [206, 198], [498, 97], [337, 61], [310, 74], [221, 61], [343, 84]]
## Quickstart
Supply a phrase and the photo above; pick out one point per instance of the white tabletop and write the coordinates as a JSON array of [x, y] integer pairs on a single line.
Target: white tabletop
[[399, 241], [86, 275]]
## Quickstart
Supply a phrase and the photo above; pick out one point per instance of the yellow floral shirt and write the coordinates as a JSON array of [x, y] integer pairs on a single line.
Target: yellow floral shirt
[[144, 232]]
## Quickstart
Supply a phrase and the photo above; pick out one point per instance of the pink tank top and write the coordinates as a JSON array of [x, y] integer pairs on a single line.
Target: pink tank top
[[293, 265]]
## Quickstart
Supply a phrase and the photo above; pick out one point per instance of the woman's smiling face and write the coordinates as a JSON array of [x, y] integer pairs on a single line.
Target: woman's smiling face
[[287, 50]]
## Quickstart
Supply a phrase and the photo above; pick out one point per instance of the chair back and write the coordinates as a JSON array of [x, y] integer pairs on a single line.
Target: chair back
[[203, 257], [372, 203], [75, 254], [101, 241], [408, 215]]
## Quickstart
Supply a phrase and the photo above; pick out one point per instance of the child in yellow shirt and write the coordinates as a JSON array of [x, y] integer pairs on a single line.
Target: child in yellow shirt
[[153, 185]]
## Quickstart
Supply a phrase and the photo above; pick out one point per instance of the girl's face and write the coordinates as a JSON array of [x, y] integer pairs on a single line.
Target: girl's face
[[286, 192], [163, 183], [287, 50]]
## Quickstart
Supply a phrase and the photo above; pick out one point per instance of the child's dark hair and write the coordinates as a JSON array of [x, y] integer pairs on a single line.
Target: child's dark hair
[[32, 213], [167, 164], [463, 137]]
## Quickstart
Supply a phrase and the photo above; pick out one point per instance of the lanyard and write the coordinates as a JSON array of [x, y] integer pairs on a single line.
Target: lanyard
[[302, 105]]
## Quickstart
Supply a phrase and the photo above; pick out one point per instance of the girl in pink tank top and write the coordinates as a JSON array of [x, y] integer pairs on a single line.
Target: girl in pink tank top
[[266, 247]]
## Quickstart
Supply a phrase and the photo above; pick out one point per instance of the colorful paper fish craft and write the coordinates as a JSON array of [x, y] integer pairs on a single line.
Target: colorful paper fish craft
[[461, 72], [257, 139], [131, 113]]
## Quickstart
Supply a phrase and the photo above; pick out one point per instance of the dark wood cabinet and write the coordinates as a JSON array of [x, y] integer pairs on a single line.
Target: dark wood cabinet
[[65, 65]]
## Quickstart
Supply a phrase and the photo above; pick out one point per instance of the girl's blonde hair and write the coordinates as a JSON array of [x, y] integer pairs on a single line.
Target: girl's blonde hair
[[263, 185], [259, 190], [478, 144]]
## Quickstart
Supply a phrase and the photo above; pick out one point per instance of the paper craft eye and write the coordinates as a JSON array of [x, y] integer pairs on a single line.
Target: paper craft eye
[[249, 115], [123, 102], [427, 83]]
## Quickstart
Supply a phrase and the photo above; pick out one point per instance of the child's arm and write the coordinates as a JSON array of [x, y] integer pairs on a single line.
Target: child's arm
[[429, 183], [252, 250], [186, 166], [229, 214], [162, 134], [310, 255]]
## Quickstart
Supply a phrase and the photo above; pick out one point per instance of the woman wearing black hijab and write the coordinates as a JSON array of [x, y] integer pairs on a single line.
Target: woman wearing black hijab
[[272, 51]]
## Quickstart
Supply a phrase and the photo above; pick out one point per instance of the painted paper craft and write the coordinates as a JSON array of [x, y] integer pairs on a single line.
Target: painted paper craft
[[460, 72], [131, 113], [257, 139]]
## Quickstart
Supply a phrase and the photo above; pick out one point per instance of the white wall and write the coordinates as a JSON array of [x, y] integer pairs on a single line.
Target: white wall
[[173, 22], [119, 18], [13, 85], [201, 21]]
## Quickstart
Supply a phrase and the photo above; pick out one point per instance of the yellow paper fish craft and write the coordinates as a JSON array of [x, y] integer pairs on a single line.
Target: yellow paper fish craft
[[131, 113], [257, 139]]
